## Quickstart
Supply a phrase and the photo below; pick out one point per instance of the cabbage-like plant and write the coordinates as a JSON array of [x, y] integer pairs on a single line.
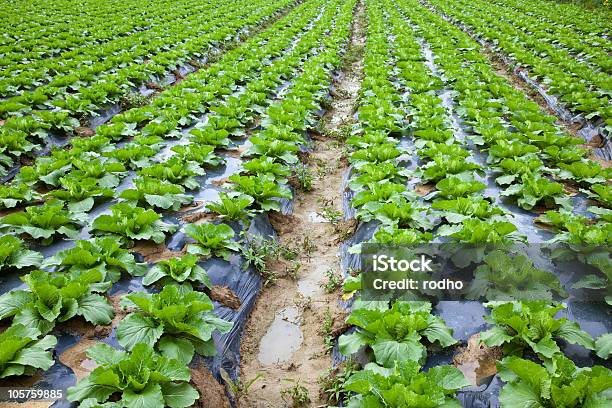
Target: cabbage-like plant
[[177, 321]]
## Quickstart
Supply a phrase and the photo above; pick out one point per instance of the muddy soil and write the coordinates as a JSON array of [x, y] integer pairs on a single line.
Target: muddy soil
[[285, 338], [477, 361], [212, 394]]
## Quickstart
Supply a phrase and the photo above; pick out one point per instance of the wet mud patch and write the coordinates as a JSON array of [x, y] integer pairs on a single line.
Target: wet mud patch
[[282, 339], [305, 305], [212, 393], [152, 252], [225, 296]]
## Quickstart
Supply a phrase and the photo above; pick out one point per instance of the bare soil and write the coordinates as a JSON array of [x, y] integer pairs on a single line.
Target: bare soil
[[212, 394], [225, 296], [318, 253], [477, 361], [153, 252]]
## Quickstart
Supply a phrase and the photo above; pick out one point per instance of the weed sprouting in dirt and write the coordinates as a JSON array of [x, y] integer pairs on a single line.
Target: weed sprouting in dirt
[[326, 331], [303, 176], [257, 254], [296, 395], [308, 247], [332, 382], [333, 282], [331, 214], [239, 388], [293, 270]]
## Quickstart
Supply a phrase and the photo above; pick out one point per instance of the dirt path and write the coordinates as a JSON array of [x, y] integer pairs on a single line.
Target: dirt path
[[286, 336]]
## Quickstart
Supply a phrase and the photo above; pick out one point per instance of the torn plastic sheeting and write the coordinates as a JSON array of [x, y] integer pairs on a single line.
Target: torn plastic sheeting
[[245, 283], [590, 131], [483, 396], [347, 195]]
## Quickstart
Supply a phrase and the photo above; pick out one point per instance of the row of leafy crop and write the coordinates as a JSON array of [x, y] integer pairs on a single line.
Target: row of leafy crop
[[38, 54], [525, 148], [561, 45], [64, 25], [156, 323], [92, 167], [394, 378], [579, 86], [590, 46], [593, 26], [398, 84], [82, 92], [534, 368]]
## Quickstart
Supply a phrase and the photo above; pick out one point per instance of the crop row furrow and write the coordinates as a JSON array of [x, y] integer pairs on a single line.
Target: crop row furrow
[[20, 135], [578, 86]]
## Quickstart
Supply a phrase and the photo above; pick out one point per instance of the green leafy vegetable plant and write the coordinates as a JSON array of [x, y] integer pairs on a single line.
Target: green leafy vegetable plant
[[14, 254], [23, 352], [57, 297], [505, 276], [132, 222], [395, 334], [177, 321], [532, 324], [233, 207], [181, 269], [156, 193], [44, 222], [104, 254], [559, 384], [263, 188], [404, 384], [140, 378], [212, 240]]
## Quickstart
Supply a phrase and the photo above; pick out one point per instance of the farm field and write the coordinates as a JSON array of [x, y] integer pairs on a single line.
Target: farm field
[[197, 196]]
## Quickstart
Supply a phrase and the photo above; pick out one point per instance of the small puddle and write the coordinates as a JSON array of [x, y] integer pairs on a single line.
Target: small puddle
[[283, 338], [310, 284], [316, 218]]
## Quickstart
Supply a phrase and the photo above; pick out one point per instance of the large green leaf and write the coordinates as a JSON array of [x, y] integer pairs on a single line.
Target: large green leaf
[[150, 396], [387, 352], [179, 395], [136, 328], [95, 309], [603, 345]]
